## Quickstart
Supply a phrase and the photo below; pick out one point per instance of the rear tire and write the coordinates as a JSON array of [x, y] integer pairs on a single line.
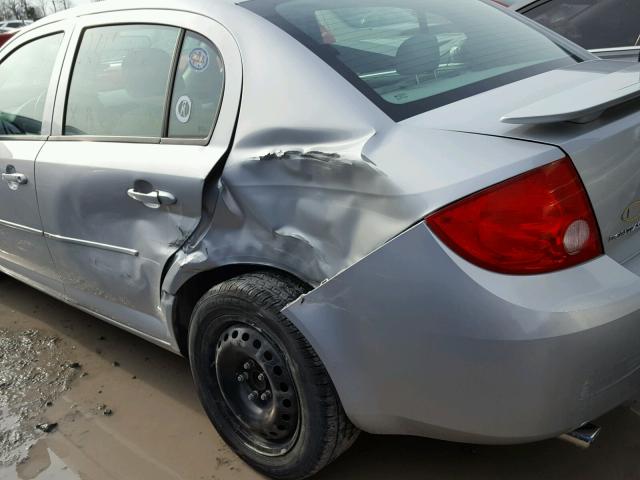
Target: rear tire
[[261, 383]]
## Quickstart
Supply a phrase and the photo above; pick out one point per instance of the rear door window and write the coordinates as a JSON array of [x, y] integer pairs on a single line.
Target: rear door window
[[25, 77], [591, 24], [198, 89], [146, 82], [120, 81]]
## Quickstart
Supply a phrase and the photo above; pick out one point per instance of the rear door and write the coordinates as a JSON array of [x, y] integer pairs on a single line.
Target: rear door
[[609, 28], [29, 72], [147, 109]]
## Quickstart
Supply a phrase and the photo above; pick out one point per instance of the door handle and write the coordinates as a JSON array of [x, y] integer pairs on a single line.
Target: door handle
[[155, 199], [14, 180]]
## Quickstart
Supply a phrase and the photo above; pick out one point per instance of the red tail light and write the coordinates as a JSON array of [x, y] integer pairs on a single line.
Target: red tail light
[[538, 222]]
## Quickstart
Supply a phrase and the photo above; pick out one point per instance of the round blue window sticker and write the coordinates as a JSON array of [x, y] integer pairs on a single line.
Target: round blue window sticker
[[199, 59]]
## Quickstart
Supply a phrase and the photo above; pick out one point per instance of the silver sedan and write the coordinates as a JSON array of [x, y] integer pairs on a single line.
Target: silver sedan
[[404, 217]]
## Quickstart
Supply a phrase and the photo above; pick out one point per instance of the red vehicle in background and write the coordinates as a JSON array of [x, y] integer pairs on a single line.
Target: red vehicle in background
[[6, 36], [9, 28]]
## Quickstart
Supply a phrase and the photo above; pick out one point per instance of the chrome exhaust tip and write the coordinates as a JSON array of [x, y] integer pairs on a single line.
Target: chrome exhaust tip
[[582, 437]]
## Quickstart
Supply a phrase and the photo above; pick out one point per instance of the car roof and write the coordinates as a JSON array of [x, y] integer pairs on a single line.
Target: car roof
[[196, 6]]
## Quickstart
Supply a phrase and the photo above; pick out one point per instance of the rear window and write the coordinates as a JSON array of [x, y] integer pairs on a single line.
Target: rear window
[[410, 56]]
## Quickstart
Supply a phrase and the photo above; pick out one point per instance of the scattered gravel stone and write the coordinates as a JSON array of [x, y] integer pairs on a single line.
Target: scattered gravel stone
[[106, 411], [47, 427]]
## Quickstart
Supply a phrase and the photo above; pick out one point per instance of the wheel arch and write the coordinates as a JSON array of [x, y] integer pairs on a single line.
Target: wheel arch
[[192, 290]]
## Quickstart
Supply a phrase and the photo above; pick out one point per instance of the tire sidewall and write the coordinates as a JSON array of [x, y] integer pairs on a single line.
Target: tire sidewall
[[211, 317]]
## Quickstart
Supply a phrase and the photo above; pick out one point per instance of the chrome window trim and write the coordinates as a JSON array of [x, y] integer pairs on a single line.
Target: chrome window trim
[[87, 243], [23, 138], [22, 228], [141, 140], [185, 141], [98, 138], [615, 49]]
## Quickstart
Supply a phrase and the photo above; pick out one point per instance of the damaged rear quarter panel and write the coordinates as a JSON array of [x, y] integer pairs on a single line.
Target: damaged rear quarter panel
[[318, 177], [315, 212]]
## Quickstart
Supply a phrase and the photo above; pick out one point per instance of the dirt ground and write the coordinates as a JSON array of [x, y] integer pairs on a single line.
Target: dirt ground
[[127, 410]]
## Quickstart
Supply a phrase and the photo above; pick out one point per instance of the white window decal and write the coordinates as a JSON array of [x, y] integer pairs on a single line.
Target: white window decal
[[183, 109]]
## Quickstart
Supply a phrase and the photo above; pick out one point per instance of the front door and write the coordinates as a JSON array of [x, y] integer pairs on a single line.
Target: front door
[[152, 98], [29, 72]]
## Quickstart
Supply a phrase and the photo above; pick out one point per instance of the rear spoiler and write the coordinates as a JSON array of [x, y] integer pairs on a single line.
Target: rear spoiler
[[607, 85]]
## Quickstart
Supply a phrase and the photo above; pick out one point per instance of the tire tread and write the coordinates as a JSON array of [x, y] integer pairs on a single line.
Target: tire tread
[[273, 292]]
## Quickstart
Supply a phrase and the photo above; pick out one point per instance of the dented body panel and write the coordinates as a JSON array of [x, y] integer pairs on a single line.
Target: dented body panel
[[312, 185], [314, 214]]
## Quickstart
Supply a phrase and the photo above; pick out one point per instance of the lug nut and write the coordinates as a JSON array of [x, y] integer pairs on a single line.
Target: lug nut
[[266, 396], [261, 377], [248, 365], [243, 377], [253, 396]]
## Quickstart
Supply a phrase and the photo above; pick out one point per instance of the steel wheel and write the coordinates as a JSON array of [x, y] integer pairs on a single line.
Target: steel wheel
[[258, 389], [260, 381]]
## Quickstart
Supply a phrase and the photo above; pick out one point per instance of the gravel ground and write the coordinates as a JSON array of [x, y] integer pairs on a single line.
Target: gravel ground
[[125, 409]]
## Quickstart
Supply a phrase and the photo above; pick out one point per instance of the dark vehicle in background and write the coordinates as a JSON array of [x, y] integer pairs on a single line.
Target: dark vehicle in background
[[609, 28]]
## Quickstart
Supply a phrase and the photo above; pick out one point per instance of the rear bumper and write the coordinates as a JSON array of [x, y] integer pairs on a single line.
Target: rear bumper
[[420, 342]]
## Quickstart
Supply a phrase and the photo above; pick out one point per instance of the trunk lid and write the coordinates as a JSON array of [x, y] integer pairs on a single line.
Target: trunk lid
[[592, 112]]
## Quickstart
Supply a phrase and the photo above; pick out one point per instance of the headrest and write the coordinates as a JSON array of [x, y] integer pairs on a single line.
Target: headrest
[[141, 72], [418, 55]]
